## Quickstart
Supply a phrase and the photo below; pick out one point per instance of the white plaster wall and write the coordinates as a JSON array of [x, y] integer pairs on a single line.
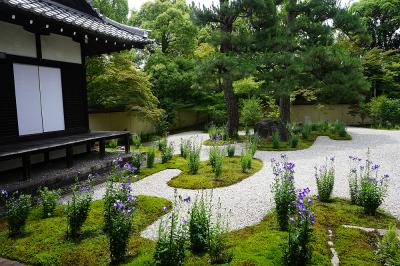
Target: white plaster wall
[[60, 48], [17, 41]]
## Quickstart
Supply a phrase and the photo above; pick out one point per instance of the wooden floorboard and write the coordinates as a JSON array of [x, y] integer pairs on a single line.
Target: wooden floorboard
[[34, 146]]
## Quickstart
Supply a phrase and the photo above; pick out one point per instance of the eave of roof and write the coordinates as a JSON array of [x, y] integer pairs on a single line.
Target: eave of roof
[[113, 36]]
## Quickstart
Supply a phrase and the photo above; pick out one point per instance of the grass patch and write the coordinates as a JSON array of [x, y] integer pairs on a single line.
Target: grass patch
[[210, 142], [266, 144], [262, 244], [45, 244], [231, 174]]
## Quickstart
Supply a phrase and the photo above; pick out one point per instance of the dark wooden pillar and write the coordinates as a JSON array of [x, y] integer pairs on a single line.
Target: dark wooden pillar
[[88, 147], [126, 143], [46, 157], [102, 148], [26, 166], [70, 156]]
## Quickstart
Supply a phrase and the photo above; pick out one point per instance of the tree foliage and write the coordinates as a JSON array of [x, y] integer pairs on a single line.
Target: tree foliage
[[117, 10], [115, 83], [382, 19]]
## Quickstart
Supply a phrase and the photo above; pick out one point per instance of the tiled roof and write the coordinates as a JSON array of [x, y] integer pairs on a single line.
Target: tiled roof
[[99, 25]]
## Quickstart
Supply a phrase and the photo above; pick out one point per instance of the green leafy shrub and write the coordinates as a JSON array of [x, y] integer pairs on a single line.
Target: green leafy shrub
[[119, 206], [217, 243], [205, 235], [185, 147], [231, 150], [306, 131], [171, 241], [253, 143], [276, 140], [136, 141], [193, 158], [199, 225], [299, 249], [212, 131], [78, 208], [251, 112], [112, 144], [384, 111], [137, 161], [48, 200], [389, 247], [212, 154], [283, 190], [18, 207], [151, 155], [120, 231], [218, 158], [339, 128], [293, 141], [116, 193], [167, 153], [162, 144], [218, 133], [245, 160], [325, 178], [367, 188]]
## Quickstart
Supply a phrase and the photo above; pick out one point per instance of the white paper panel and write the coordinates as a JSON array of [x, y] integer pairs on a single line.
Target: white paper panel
[[26, 78], [51, 98], [60, 48], [17, 41]]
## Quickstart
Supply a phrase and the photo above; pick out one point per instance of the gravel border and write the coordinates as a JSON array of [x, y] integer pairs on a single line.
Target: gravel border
[[247, 202]]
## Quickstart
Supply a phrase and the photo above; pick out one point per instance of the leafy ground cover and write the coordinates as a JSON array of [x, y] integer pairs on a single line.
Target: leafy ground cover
[[266, 144], [262, 244], [205, 178], [231, 173], [45, 243], [210, 142]]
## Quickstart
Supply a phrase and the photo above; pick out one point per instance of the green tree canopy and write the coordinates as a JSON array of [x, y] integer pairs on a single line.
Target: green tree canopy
[[382, 19], [117, 10], [115, 83]]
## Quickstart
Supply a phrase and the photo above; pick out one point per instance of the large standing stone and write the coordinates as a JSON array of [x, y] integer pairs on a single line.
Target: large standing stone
[[265, 128]]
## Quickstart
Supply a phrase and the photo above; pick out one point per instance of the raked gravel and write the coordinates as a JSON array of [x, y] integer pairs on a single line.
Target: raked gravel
[[248, 201]]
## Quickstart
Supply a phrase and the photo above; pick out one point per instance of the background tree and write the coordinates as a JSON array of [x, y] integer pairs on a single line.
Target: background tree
[[114, 82], [117, 10], [170, 62], [228, 23], [305, 33], [382, 19]]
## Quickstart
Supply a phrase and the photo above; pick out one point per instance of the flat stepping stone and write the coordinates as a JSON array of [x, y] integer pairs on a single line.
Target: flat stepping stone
[[381, 232], [6, 262]]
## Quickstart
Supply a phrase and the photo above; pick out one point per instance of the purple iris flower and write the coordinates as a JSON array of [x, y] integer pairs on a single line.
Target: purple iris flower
[[291, 220], [165, 208], [375, 167], [289, 166], [4, 193]]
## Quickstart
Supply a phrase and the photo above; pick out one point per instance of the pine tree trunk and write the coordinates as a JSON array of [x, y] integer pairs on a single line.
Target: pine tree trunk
[[231, 103], [284, 109], [226, 26], [284, 101]]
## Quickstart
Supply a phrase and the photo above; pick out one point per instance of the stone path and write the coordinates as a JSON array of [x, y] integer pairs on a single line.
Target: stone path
[[250, 200]]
